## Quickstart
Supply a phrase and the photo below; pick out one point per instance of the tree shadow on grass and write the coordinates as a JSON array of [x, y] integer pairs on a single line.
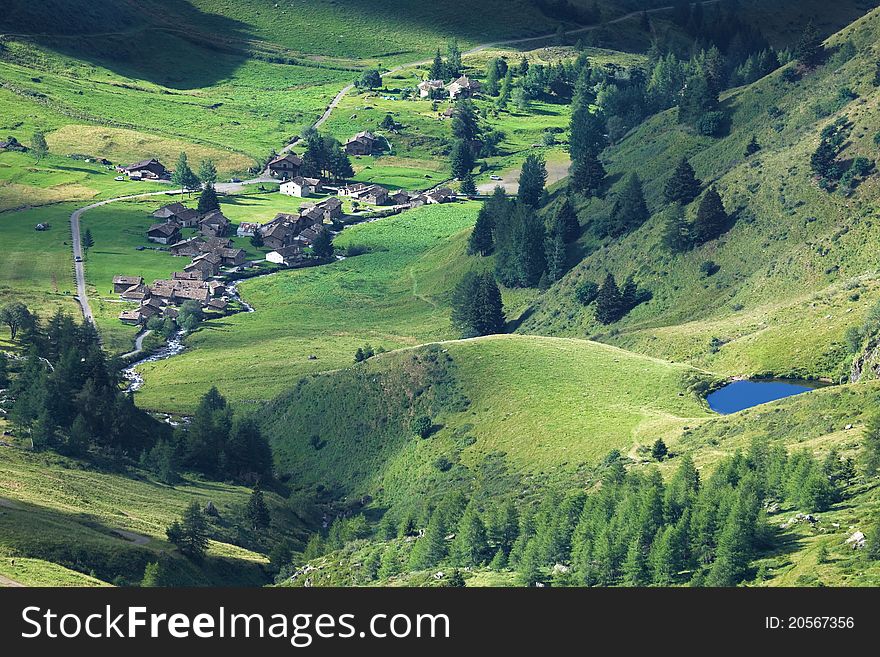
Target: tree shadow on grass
[[176, 45]]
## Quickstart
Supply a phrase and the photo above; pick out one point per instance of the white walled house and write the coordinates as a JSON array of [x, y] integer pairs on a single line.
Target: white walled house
[[301, 187]]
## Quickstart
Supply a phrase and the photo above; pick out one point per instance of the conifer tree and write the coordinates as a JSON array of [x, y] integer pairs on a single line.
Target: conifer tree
[[752, 147], [630, 210], [587, 175], [390, 565], [183, 176], [430, 549], [207, 172], [257, 511], [470, 547], [565, 221], [697, 99], [465, 122], [481, 241], [675, 236], [438, 68], [208, 200], [683, 186], [529, 570], [608, 301], [532, 179], [556, 257], [711, 219], [461, 159], [191, 533], [871, 446], [322, 246], [809, 50], [635, 568], [468, 185]]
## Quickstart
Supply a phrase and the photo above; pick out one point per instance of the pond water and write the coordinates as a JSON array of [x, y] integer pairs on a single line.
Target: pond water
[[739, 395]]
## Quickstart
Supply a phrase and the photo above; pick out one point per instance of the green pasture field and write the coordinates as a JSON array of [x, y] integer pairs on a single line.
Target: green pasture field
[[326, 311]]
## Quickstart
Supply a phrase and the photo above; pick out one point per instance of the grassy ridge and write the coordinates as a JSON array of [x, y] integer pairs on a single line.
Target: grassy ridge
[[504, 408]]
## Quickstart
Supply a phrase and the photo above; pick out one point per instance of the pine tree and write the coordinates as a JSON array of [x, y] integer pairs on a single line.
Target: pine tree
[[752, 147], [183, 176], [675, 235], [465, 124], [191, 533], [461, 159], [39, 147], [430, 549], [683, 186], [871, 446], [468, 185], [207, 172], [556, 257], [587, 175], [532, 179], [157, 573], [809, 50], [208, 200], [630, 210], [79, 437], [635, 568], [390, 565], [322, 246], [522, 257], [453, 59], [481, 242], [491, 309], [697, 99], [608, 301], [565, 221], [88, 241], [659, 450], [711, 220], [257, 511], [476, 306], [529, 570], [470, 547]]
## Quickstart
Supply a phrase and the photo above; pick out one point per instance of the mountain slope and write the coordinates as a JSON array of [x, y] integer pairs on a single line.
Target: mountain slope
[[793, 251]]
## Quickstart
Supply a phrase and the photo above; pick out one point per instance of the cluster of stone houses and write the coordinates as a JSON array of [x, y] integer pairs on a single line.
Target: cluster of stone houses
[[176, 216], [288, 234], [208, 252], [163, 296], [378, 195], [463, 87]]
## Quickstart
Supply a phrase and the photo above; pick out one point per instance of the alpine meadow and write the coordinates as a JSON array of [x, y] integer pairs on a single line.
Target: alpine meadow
[[509, 293]]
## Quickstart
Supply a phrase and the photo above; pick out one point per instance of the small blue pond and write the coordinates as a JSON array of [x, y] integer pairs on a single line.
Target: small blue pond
[[739, 395]]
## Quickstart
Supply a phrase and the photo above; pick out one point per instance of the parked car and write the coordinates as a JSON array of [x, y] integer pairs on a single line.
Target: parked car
[[235, 180], [78, 259], [495, 178], [119, 179]]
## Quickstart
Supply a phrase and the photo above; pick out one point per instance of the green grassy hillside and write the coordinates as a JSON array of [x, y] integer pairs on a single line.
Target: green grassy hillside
[[506, 409], [798, 266], [65, 516]]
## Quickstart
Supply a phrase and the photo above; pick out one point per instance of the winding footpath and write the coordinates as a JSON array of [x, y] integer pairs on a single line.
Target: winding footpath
[[225, 188]]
